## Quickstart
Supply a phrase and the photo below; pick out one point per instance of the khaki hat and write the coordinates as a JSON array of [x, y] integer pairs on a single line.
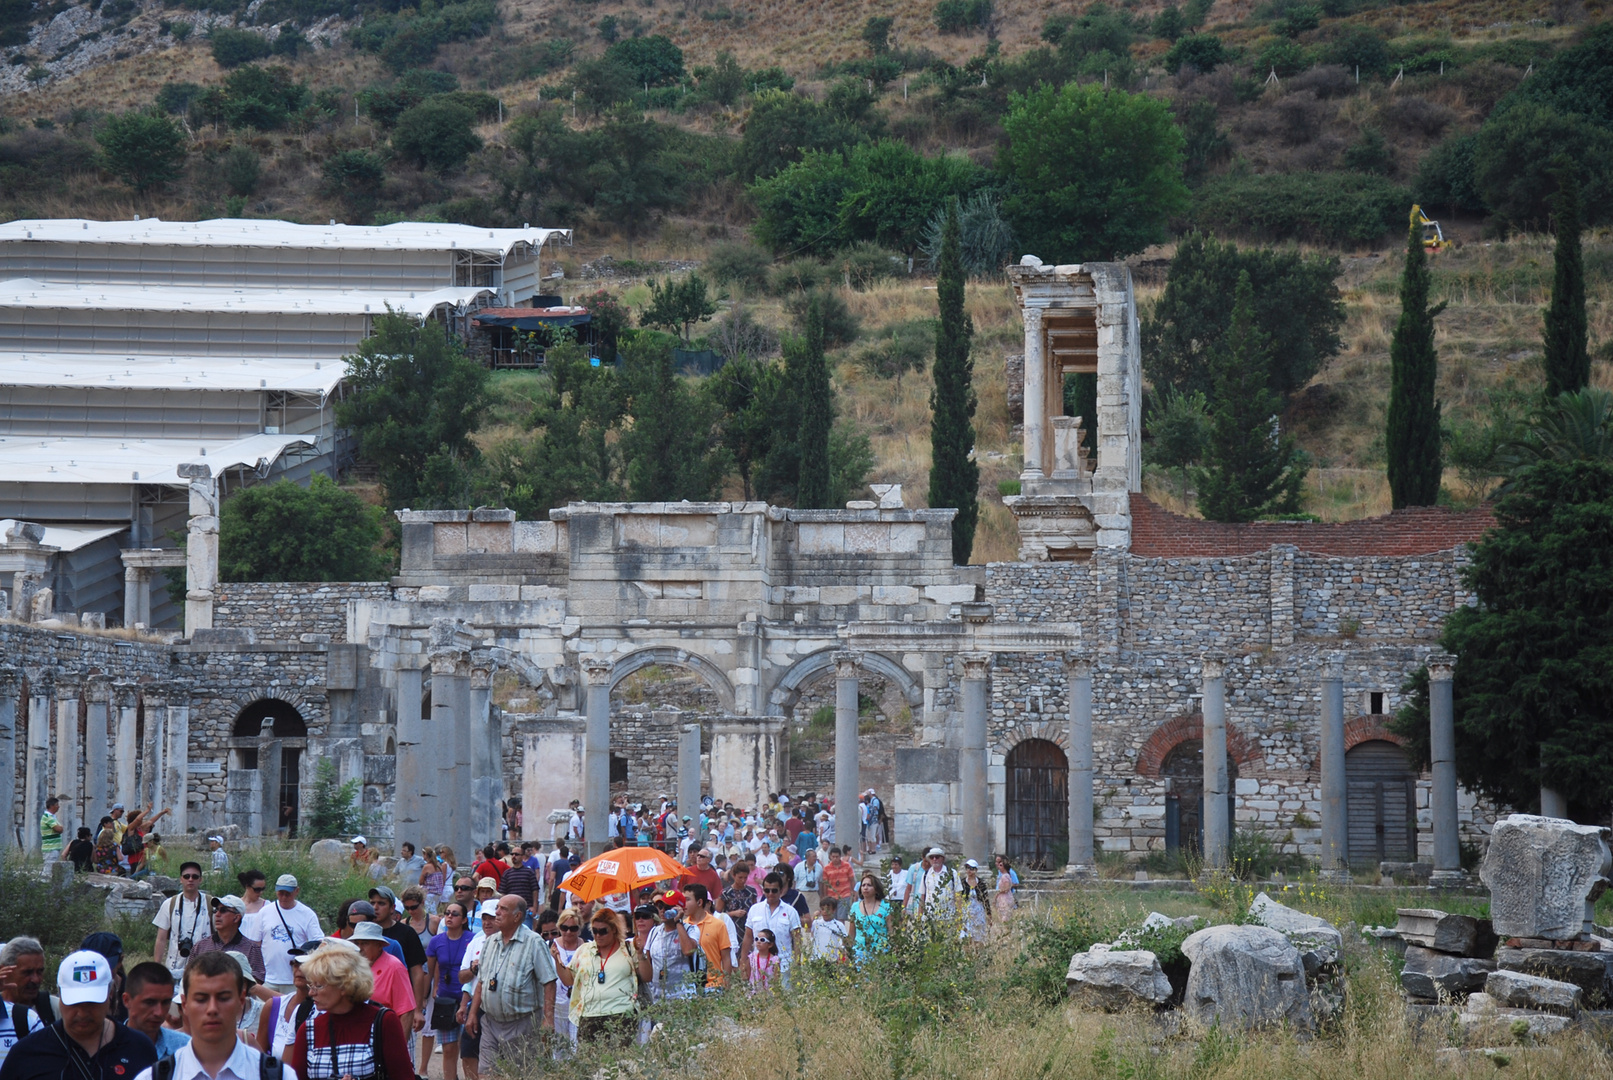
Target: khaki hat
[[368, 931], [487, 883]]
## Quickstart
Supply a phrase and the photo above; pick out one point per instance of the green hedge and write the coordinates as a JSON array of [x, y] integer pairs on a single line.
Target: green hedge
[[1343, 209]]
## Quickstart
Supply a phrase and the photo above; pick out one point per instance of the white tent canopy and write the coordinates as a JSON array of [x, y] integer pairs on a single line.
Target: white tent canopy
[[132, 461], [27, 294], [246, 232], [108, 371], [68, 537]]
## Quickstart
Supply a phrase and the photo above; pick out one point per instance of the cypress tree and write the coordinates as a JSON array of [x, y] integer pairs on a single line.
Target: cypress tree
[[1253, 470], [811, 378], [1413, 428], [1568, 359], [954, 475]]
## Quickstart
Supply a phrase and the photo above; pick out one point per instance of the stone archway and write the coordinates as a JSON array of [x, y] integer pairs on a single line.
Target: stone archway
[[666, 656], [787, 691], [274, 727]]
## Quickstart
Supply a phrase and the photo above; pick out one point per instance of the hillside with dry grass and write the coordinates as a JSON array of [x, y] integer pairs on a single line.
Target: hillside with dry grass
[[1288, 96]]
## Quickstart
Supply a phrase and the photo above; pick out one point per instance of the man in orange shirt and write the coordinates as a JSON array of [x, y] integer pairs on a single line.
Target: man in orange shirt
[[707, 932], [836, 882]]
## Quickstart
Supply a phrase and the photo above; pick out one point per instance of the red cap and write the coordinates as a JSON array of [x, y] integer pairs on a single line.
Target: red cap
[[673, 898]]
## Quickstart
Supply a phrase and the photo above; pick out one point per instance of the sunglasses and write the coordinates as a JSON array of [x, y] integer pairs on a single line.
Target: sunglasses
[[549, 935], [259, 887], [411, 907], [463, 886], [571, 928], [604, 929], [772, 892], [190, 877]]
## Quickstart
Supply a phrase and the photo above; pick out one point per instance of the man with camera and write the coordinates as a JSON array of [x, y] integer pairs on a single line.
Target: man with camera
[[182, 920]]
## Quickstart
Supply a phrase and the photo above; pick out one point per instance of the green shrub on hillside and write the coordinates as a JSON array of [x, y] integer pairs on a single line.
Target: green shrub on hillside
[[1445, 176], [1342, 209], [436, 134], [406, 40], [652, 60], [355, 177], [1201, 52], [1512, 163], [961, 16], [1578, 80], [286, 532], [143, 149], [232, 48]]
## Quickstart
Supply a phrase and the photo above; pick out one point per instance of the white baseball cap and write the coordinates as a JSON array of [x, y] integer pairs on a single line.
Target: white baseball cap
[[360, 840], [490, 907], [367, 931], [935, 851], [84, 976]]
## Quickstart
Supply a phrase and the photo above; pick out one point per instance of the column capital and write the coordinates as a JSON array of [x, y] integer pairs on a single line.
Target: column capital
[[1333, 667], [1214, 667], [155, 694], [126, 694], [10, 681], [68, 682], [450, 662], [596, 670], [99, 687], [1032, 317], [976, 665], [1078, 665], [846, 662], [1441, 667]]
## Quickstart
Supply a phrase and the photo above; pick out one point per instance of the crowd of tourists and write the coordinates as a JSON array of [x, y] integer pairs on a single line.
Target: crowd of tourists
[[477, 959]]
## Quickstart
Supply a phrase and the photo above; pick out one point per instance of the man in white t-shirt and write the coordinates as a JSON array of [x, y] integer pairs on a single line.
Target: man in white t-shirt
[[182, 920], [284, 925]]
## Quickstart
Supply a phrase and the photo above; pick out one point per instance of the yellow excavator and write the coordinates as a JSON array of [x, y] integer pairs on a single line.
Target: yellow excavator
[[1434, 240]]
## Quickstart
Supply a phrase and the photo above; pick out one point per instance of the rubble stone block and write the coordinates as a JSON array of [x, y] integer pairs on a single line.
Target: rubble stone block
[[1514, 989], [1544, 876], [1587, 970], [1246, 977], [1437, 975], [1116, 979], [1433, 929]]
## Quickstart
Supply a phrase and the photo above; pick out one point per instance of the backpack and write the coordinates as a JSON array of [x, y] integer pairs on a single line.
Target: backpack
[[269, 1068], [133, 843]]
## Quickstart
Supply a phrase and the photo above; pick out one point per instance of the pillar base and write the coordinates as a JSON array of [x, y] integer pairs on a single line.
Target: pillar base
[[1081, 872], [1335, 877], [1447, 879]]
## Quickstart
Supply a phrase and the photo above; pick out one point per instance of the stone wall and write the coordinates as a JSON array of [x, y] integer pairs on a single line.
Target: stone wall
[[286, 610]]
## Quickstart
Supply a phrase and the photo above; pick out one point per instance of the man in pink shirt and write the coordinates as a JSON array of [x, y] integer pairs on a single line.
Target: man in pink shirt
[[392, 986]]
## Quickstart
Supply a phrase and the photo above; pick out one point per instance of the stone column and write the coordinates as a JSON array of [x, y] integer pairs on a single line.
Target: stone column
[[126, 752], [689, 773], [409, 793], [153, 771], [133, 578], [97, 746], [1552, 803], [201, 549], [486, 766], [975, 802], [271, 760], [37, 780], [596, 672], [11, 827], [450, 679], [68, 756], [1082, 858], [848, 780], [1217, 825], [177, 760], [1442, 753], [1035, 393], [1335, 789]]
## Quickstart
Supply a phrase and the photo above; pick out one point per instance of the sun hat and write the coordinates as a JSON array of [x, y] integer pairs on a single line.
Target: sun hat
[[489, 907], [246, 965], [487, 883], [935, 851], [360, 840], [84, 976], [333, 942], [285, 883], [368, 931]]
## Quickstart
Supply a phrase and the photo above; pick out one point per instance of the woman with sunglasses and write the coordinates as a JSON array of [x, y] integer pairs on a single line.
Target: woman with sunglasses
[[603, 980], [565, 947], [253, 882], [444, 954]]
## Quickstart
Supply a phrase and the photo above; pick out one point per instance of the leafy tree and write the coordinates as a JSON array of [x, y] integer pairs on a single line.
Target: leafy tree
[[783, 127], [175, 97], [143, 149], [836, 322], [604, 82], [653, 59], [1568, 358], [261, 97], [809, 374], [1254, 470], [1359, 47], [986, 240], [355, 177], [1577, 80], [747, 393], [1096, 175], [672, 449], [1201, 52], [851, 458], [631, 175], [954, 474], [232, 48], [1445, 175], [961, 16], [577, 455], [679, 305], [1297, 307], [286, 532], [1206, 145], [877, 34], [1339, 208], [1533, 683], [892, 192], [608, 29], [1576, 425], [242, 167], [739, 263], [1512, 164], [608, 318], [1179, 430], [1413, 425], [724, 81], [436, 134], [1370, 154], [334, 810], [1100, 30], [414, 396], [1168, 24]]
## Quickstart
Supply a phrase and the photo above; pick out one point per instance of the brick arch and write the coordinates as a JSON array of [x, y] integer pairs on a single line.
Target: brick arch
[[1018, 733], [1368, 728], [1240, 749]]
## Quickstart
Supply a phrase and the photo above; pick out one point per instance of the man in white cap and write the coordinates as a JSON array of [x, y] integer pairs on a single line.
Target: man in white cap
[[280, 927], [362, 856], [221, 858], [226, 936], [85, 1044], [215, 998], [939, 888]]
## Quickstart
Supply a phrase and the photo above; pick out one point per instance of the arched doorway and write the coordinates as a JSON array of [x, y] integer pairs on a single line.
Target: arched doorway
[[1382, 803], [1038, 804], [281, 721], [1183, 770]]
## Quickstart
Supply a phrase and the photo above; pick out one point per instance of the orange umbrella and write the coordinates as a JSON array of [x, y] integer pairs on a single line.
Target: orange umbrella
[[620, 870]]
